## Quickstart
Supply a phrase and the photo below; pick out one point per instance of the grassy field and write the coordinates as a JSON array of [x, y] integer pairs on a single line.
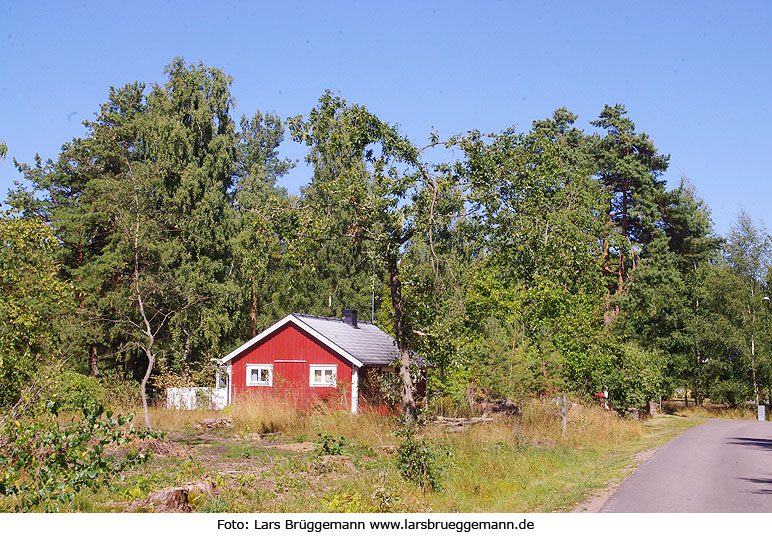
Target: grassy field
[[277, 459]]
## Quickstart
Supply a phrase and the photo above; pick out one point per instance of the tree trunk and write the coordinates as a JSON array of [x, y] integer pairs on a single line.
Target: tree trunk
[[93, 357], [699, 376], [253, 313], [186, 348], [143, 386], [395, 287]]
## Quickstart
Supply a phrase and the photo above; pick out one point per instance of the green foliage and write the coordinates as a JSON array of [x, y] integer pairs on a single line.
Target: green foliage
[[417, 461], [74, 391], [330, 445], [347, 501], [730, 392], [636, 377], [34, 303], [535, 262], [45, 464]]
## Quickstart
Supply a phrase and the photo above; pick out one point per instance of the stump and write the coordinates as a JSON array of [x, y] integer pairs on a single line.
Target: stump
[[180, 498]]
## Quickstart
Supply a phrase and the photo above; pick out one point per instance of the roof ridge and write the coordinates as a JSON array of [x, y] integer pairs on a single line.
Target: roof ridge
[[330, 318]]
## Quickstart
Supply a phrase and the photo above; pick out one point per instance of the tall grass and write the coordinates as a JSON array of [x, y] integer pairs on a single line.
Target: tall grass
[[286, 417], [708, 410]]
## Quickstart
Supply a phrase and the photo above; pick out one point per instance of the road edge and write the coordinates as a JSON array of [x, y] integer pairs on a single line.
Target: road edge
[[598, 499]]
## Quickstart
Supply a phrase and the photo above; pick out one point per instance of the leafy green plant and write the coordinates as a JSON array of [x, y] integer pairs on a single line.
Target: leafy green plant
[[43, 463], [347, 501], [417, 461], [73, 390], [330, 445]]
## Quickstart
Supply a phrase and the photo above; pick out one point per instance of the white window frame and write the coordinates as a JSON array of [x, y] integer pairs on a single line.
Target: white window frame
[[252, 367], [316, 367]]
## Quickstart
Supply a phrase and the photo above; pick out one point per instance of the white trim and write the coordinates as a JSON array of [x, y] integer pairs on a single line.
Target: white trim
[[354, 390], [323, 383], [298, 322], [259, 367], [230, 384]]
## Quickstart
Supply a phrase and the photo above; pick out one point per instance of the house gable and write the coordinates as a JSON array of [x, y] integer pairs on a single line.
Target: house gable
[[300, 326]]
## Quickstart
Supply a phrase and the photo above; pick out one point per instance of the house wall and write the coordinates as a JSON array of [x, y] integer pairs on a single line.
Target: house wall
[[292, 352]]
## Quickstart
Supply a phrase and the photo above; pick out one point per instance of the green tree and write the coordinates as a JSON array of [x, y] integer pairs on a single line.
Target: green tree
[[34, 306], [629, 168], [143, 207], [747, 252], [259, 248], [536, 228], [364, 166]]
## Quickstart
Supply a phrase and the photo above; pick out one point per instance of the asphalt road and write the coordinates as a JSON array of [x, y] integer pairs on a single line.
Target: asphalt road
[[721, 466]]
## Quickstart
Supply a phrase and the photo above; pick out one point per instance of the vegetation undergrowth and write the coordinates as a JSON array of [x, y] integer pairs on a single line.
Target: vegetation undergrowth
[[330, 461], [46, 460], [707, 410]]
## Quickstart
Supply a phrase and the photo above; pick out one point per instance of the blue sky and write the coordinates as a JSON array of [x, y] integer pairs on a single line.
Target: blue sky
[[696, 76]]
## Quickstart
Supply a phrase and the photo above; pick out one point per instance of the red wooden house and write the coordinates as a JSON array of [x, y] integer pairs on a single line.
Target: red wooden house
[[310, 358]]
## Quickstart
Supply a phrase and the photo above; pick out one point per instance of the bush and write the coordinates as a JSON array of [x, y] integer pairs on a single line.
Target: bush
[[417, 461], [73, 390], [45, 464], [729, 392], [636, 378], [330, 445]]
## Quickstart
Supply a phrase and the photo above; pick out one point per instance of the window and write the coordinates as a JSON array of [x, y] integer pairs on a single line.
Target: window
[[324, 375], [259, 375]]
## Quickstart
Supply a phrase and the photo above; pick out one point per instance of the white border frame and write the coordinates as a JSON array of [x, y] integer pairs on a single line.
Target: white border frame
[[250, 367], [322, 367]]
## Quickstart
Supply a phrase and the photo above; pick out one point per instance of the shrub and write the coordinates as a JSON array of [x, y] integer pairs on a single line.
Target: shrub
[[73, 390], [45, 464], [329, 445], [417, 461]]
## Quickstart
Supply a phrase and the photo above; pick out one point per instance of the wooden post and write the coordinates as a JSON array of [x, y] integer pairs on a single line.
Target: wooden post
[[563, 413]]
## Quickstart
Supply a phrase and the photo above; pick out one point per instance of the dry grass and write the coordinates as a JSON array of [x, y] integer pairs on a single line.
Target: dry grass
[[678, 408], [267, 414], [538, 423], [526, 463], [519, 463]]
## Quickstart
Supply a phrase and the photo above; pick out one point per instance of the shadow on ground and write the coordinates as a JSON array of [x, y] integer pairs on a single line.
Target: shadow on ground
[[760, 443]]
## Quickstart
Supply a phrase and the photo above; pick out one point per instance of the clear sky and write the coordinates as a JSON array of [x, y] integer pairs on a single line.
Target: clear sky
[[696, 76]]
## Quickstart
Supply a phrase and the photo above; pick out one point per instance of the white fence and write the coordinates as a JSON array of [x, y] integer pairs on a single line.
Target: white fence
[[193, 398]]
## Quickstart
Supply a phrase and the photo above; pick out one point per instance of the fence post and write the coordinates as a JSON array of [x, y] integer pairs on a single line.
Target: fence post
[[563, 412]]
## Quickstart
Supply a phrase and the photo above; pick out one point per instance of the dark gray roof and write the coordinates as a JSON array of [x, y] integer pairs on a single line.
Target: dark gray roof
[[367, 343]]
